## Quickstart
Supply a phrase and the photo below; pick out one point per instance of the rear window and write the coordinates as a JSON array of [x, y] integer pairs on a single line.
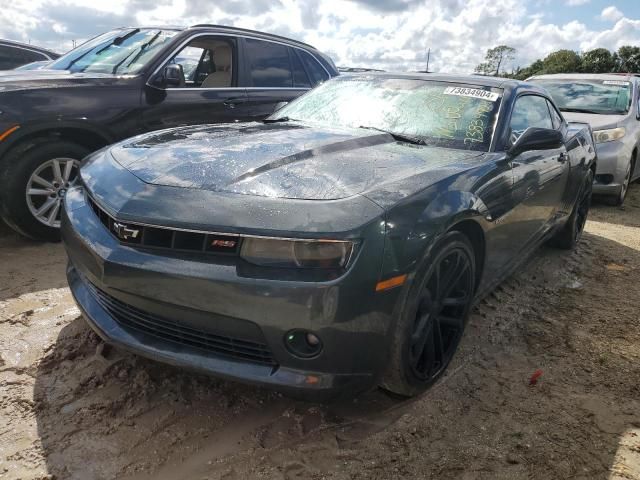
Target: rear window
[[607, 97], [317, 73]]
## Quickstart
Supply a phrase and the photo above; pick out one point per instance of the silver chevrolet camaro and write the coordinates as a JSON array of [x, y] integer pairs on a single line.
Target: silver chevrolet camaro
[[610, 104]]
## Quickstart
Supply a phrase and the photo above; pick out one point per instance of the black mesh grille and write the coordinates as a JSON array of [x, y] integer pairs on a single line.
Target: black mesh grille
[[166, 238], [132, 318]]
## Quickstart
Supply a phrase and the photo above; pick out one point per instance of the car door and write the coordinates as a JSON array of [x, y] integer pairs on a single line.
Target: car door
[[275, 73], [208, 91], [540, 176]]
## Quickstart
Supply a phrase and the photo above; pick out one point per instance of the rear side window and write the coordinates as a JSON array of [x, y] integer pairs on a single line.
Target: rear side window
[[269, 64], [316, 72], [11, 57], [300, 78]]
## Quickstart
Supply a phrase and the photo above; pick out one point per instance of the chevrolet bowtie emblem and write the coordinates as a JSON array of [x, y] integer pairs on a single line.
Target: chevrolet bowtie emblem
[[125, 232]]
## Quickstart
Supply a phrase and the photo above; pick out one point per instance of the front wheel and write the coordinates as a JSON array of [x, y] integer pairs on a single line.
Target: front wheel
[[34, 179], [428, 333], [618, 200]]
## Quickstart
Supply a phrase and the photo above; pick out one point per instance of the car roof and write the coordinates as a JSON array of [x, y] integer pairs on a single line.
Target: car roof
[[227, 29], [585, 76], [255, 33], [480, 80], [27, 46]]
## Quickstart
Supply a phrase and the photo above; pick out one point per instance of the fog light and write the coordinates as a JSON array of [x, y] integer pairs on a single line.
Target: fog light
[[302, 343]]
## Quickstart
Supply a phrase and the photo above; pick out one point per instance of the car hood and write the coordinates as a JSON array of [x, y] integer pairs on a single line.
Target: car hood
[[11, 80], [289, 160], [597, 121]]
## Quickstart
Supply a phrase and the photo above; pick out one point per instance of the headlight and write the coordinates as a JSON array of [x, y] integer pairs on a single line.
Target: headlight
[[273, 252], [603, 136]]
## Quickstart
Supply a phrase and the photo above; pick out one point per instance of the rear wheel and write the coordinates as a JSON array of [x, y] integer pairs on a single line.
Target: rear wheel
[[35, 178], [431, 327], [570, 234]]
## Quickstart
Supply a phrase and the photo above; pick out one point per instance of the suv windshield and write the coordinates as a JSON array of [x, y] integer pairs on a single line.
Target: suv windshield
[[119, 52], [436, 113], [606, 97]]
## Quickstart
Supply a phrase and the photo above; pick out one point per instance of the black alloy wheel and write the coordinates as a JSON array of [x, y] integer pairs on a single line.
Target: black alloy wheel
[[439, 321], [583, 206], [428, 334], [568, 236]]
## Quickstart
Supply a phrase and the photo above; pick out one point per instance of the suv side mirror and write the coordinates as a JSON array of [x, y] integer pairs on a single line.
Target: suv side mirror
[[535, 138], [279, 105], [173, 76]]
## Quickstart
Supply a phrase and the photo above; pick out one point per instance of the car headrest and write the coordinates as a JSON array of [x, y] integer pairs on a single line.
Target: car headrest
[[222, 58]]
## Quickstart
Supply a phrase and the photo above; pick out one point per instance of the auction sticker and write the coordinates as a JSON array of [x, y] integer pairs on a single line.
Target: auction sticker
[[616, 82], [472, 92]]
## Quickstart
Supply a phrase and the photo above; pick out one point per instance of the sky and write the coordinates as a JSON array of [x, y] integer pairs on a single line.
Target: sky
[[386, 34]]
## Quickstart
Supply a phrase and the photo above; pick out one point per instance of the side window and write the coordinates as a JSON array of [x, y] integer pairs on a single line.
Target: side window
[[11, 57], [316, 72], [207, 62], [529, 111], [556, 119], [300, 78], [269, 64]]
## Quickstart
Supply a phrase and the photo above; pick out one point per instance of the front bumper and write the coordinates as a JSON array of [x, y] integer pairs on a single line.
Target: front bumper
[[613, 158], [349, 317]]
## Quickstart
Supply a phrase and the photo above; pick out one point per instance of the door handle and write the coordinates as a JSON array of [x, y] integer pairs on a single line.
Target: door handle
[[233, 102], [563, 157]]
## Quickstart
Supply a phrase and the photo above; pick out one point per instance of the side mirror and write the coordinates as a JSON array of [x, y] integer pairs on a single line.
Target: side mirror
[[279, 105], [173, 76], [535, 138]]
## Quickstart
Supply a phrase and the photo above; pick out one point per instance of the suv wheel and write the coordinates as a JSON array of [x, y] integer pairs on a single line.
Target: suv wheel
[[36, 177], [428, 333]]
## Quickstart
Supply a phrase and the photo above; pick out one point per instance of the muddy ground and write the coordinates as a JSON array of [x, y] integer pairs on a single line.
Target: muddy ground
[[72, 408]]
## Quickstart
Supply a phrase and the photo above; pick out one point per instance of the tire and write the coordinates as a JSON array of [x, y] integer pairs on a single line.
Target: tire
[[568, 237], [618, 200], [34, 178], [428, 332]]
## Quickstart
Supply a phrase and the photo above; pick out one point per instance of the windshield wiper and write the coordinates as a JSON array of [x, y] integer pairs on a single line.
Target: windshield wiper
[[141, 49], [401, 137], [115, 41], [581, 110], [279, 119]]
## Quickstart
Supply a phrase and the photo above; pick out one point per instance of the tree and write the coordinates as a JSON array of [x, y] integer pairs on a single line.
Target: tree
[[599, 60], [495, 59], [628, 59], [536, 68], [562, 61]]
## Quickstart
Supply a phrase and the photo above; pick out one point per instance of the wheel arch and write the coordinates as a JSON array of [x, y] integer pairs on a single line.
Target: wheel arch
[[470, 227], [86, 135], [415, 232]]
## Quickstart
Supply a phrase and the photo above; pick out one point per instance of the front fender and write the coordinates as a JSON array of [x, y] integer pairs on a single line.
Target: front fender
[[414, 227]]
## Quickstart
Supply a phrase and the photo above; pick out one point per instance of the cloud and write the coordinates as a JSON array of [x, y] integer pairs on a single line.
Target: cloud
[[387, 34], [388, 5], [575, 3], [611, 14]]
